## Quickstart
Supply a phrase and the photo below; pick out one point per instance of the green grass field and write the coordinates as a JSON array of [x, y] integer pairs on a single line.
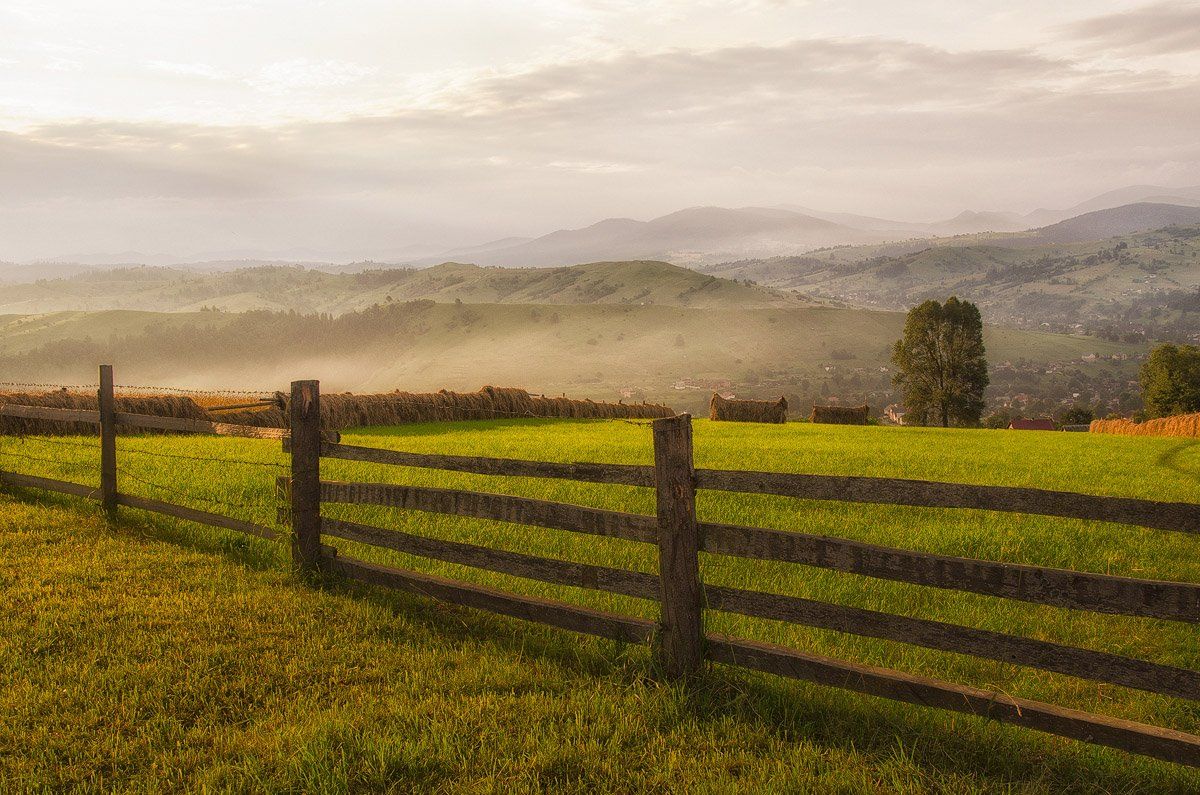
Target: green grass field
[[155, 651]]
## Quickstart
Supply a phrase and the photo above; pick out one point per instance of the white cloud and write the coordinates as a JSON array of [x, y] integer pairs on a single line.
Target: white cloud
[[303, 74], [1155, 29], [201, 70], [592, 167]]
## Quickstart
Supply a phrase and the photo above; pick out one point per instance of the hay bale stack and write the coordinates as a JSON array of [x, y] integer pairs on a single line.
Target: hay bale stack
[[1183, 425], [156, 405], [338, 411], [727, 410], [840, 415], [342, 411]]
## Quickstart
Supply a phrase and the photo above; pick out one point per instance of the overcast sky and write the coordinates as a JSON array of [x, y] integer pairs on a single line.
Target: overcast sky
[[361, 127]]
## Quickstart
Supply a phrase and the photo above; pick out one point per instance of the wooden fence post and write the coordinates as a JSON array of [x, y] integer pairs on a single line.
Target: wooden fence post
[[680, 643], [305, 422], [108, 442]]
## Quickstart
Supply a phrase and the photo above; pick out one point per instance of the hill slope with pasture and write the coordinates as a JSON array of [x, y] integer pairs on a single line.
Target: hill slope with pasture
[[675, 355], [1057, 284], [313, 291]]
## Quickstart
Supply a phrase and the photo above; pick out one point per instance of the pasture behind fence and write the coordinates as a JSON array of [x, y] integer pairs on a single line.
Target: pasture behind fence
[[681, 644]]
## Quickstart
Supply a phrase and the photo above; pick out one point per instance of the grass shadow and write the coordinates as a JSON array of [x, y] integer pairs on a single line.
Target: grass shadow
[[1170, 459]]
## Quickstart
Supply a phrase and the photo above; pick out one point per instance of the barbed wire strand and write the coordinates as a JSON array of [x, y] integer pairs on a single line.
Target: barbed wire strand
[[192, 391], [67, 387], [172, 490], [55, 461], [36, 439], [215, 459]]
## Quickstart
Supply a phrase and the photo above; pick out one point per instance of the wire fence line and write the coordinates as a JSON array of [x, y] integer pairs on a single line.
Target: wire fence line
[[55, 461], [66, 387], [136, 388], [202, 458], [250, 506]]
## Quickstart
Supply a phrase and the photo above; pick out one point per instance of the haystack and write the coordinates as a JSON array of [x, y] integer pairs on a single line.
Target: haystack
[[338, 411], [840, 415], [1185, 425], [156, 405], [728, 410], [341, 411]]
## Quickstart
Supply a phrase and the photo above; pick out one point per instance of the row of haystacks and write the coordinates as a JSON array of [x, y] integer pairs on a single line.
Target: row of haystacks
[[840, 415], [341, 411], [338, 411], [1187, 425], [157, 405], [729, 410]]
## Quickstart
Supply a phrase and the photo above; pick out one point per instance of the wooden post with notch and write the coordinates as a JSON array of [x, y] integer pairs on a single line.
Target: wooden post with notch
[[108, 441], [681, 636], [304, 418]]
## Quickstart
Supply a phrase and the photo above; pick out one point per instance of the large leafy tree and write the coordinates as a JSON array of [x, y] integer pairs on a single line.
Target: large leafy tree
[[1171, 380], [940, 364]]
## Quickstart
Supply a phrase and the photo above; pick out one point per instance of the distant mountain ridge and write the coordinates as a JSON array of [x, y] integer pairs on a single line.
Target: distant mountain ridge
[[694, 236], [707, 235], [1126, 220], [682, 236]]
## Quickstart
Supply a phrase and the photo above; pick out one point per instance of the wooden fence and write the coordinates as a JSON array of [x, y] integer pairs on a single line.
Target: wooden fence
[[680, 642]]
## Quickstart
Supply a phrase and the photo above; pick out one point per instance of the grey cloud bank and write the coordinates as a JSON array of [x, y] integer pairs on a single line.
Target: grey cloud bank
[[876, 125]]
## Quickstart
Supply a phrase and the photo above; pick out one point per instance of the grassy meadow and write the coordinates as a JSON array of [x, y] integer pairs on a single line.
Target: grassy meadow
[[156, 651]]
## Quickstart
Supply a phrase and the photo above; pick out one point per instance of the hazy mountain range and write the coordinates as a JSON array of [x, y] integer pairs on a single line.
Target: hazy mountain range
[[697, 235]]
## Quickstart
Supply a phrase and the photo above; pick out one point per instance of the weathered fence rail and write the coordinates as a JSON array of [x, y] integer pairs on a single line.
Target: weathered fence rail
[[680, 641]]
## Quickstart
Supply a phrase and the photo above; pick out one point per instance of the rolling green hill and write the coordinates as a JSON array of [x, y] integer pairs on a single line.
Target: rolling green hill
[[313, 291], [673, 354], [1059, 286]]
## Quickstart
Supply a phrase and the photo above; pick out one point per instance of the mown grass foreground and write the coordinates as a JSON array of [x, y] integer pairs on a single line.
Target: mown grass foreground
[[153, 654]]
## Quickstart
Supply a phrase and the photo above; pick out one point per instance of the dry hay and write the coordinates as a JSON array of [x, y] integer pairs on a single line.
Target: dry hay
[[341, 411], [338, 411], [729, 410], [1187, 425], [840, 415], [156, 405]]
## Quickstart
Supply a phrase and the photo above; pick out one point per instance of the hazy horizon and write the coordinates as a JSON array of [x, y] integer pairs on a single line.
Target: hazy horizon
[[361, 130]]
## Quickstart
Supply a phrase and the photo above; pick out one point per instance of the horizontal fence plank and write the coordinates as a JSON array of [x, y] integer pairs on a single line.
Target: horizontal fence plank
[[193, 515], [189, 425], [47, 484], [624, 474], [1139, 738], [528, 608], [561, 572], [1100, 593], [1181, 516], [48, 413], [1083, 663], [501, 507], [257, 404]]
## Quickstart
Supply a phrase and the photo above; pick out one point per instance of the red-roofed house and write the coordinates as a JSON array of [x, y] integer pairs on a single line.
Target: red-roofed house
[[1031, 425]]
